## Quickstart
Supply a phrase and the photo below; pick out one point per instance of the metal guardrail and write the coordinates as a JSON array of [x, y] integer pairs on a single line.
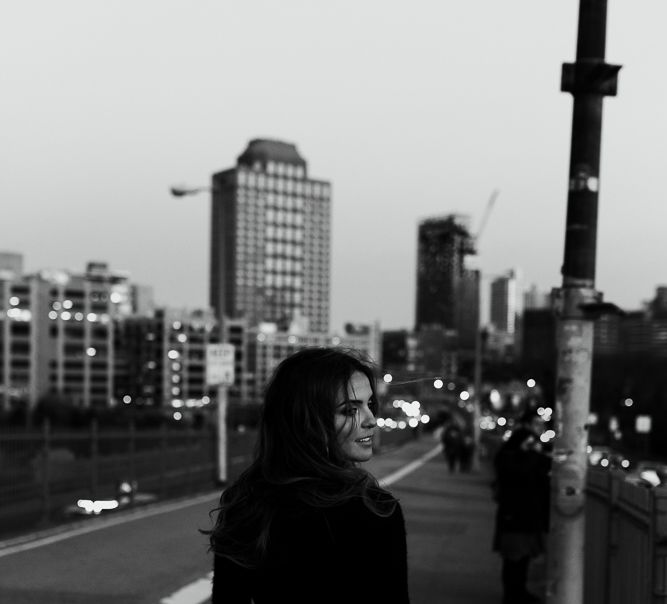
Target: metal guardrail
[[44, 472], [626, 541]]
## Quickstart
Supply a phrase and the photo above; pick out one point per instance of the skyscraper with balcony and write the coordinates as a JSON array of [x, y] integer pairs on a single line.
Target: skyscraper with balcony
[[270, 239], [444, 285]]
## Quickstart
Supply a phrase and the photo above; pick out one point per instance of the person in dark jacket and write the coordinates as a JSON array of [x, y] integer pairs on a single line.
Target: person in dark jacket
[[452, 445], [522, 516], [305, 523]]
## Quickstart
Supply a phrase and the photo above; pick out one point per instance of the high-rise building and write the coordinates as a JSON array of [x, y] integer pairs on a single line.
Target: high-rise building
[[534, 298], [505, 302], [270, 239], [163, 358], [443, 243], [469, 314], [57, 335]]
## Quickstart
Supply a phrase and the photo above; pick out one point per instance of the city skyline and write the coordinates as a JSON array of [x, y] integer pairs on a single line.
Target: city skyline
[[412, 111]]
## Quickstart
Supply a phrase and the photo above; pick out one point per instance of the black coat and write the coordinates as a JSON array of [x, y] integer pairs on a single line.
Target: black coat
[[325, 555], [522, 490]]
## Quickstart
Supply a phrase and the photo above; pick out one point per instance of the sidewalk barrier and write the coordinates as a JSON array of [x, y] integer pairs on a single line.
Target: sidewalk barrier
[[44, 472], [626, 541]]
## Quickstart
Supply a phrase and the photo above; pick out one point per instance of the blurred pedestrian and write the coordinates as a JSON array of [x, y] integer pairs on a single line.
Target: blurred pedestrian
[[467, 450], [522, 518], [305, 523], [452, 444]]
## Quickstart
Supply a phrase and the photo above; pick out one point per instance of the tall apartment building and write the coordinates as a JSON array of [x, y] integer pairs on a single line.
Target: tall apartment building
[[447, 291], [505, 302], [57, 334], [270, 239]]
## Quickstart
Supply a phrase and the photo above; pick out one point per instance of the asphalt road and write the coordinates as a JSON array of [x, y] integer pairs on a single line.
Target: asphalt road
[[146, 559]]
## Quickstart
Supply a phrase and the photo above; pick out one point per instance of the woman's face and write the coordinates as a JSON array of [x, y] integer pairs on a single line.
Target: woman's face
[[354, 419]]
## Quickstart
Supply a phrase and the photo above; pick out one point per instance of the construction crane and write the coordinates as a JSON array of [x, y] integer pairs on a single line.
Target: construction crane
[[485, 216]]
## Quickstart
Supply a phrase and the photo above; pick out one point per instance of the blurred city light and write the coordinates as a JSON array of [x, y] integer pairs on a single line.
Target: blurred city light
[[530, 383], [495, 399], [437, 384], [97, 506], [628, 402], [465, 395], [387, 378]]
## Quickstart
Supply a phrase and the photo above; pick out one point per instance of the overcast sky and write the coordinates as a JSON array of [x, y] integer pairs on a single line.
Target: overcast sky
[[410, 108]]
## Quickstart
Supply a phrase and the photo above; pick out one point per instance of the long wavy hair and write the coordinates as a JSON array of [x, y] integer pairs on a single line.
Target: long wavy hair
[[297, 455]]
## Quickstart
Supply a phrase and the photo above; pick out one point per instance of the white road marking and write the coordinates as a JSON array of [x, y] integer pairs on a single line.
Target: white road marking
[[196, 592], [199, 591], [411, 467]]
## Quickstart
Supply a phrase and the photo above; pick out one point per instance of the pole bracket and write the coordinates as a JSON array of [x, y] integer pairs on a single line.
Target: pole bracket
[[590, 76]]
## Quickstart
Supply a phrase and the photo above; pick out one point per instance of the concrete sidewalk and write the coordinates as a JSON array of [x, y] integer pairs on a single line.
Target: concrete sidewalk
[[449, 522]]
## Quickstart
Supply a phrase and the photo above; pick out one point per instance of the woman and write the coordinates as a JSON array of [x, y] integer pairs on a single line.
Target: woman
[[522, 517], [304, 523]]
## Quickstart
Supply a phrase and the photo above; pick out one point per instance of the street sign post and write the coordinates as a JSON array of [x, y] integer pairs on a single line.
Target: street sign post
[[220, 373], [219, 364]]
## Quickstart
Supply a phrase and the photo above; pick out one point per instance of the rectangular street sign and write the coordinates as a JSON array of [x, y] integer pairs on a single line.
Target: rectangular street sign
[[643, 424], [219, 364]]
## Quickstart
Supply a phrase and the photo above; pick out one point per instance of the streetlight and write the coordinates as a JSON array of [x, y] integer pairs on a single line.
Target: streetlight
[[219, 363], [183, 190]]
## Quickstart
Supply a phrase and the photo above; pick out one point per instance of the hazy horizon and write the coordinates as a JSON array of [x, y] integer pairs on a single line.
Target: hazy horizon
[[410, 110]]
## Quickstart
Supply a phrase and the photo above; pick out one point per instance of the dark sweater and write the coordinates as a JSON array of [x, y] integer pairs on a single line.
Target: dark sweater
[[345, 554]]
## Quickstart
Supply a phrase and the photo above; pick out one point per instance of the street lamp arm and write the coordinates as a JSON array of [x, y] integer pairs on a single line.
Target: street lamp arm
[[182, 191]]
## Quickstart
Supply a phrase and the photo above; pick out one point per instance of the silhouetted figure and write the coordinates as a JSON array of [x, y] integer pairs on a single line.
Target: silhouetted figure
[[467, 451], [522, 518], [452, 442]]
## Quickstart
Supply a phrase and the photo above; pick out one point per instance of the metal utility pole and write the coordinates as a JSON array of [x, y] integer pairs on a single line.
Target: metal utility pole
[[589, 79], [219, 363], [477, 371]]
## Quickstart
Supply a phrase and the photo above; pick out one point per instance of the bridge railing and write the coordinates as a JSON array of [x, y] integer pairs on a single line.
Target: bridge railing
[[626, 541]]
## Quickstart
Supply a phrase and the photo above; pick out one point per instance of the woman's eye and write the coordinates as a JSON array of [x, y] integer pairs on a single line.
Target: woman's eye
[[350, 410]]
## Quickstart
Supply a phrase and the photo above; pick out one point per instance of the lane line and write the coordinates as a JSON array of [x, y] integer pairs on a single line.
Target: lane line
[[409, 468], [196, 592], [199, 591]]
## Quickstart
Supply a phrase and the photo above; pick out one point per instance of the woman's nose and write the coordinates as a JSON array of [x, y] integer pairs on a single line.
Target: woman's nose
[[369, 419]]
